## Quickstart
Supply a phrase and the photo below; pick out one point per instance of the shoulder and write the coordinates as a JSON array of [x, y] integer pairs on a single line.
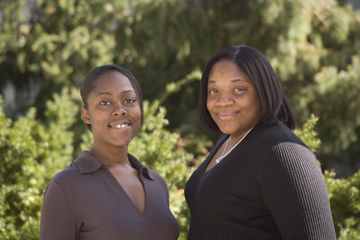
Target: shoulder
[[291, 154], [68, 174], [70, 171], [286, 153], [284, 150], [73, 173], [58, 188], [272, 135], [158, 179]]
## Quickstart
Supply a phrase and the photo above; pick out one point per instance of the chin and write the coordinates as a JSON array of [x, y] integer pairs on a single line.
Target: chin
[[121, 143], [227, 131]]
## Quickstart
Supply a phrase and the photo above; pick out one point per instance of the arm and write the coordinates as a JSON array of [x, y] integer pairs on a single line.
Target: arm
[[293, 189], [57, 221]]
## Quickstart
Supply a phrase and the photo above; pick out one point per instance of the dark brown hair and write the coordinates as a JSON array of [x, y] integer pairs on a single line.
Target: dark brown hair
[[275, 107], [88, 84]]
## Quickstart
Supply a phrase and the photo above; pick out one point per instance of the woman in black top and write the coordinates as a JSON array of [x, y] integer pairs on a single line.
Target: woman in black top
[[260, 181]]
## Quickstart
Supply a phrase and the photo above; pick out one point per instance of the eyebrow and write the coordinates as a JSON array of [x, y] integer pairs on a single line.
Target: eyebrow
[[109, 93], [234, 80]]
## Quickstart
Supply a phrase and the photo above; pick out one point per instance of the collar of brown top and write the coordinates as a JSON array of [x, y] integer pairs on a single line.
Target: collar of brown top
[[87, 163]]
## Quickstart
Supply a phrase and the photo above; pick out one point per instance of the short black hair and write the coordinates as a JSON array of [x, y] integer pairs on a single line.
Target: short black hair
[[275, 108], [88, 84]]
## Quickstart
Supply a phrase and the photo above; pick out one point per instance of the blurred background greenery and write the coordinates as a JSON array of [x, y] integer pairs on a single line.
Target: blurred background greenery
[[47, 46]]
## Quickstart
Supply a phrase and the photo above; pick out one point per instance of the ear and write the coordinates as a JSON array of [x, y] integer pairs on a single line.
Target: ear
[[85, 115]]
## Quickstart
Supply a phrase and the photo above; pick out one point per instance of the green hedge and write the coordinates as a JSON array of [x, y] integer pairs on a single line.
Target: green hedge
[[31, 152]]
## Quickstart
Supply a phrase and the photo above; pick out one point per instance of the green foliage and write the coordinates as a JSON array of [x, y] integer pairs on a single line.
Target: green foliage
[[163, 41], [57, 44], [349, 234], [344, 197], [308, 135], [314, 47], [335, 99], [20, 200], [31, 153]]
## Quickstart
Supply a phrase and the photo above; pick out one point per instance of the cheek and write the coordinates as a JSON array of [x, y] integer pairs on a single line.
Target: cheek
[[257, 107], [137, 116], [209, 104]]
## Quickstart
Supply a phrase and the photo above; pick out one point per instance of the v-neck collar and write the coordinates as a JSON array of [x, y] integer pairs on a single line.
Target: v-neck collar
[[87, 163]]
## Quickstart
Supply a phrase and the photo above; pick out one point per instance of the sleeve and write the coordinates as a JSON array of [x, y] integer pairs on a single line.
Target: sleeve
[[57, 221], [164, 185], [294, 190]]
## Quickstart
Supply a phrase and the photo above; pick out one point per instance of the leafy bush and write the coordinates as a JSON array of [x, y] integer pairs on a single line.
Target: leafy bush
[[31, 152], [344, 197]]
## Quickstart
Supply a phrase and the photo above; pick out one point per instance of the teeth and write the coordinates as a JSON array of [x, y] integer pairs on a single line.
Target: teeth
[[120, 125]]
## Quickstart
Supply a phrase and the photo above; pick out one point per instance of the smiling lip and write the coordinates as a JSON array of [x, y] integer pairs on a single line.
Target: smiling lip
[[120, 125], [226, 116]]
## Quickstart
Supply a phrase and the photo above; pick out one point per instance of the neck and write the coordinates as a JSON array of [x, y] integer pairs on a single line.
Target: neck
[[236, 137], [112, 157]]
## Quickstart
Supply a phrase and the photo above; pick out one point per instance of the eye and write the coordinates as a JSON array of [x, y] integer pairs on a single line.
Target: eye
[[210, 91], [131, 100], [104, 103], [239, 89]]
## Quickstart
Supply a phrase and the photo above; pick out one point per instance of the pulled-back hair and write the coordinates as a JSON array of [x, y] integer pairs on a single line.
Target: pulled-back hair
[[275, 107], [88, 84]]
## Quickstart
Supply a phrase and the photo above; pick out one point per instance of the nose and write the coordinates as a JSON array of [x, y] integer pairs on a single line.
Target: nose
[[224, 100], [119, 110]]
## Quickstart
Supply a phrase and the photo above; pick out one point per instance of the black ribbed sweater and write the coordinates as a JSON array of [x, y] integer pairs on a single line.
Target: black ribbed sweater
[[269, 187]]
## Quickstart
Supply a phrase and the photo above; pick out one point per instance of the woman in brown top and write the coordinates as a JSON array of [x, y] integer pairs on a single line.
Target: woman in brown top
[[107, 193]]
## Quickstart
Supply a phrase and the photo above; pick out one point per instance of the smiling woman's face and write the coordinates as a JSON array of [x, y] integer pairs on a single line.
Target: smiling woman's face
[[232, 99], [113, 111]]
